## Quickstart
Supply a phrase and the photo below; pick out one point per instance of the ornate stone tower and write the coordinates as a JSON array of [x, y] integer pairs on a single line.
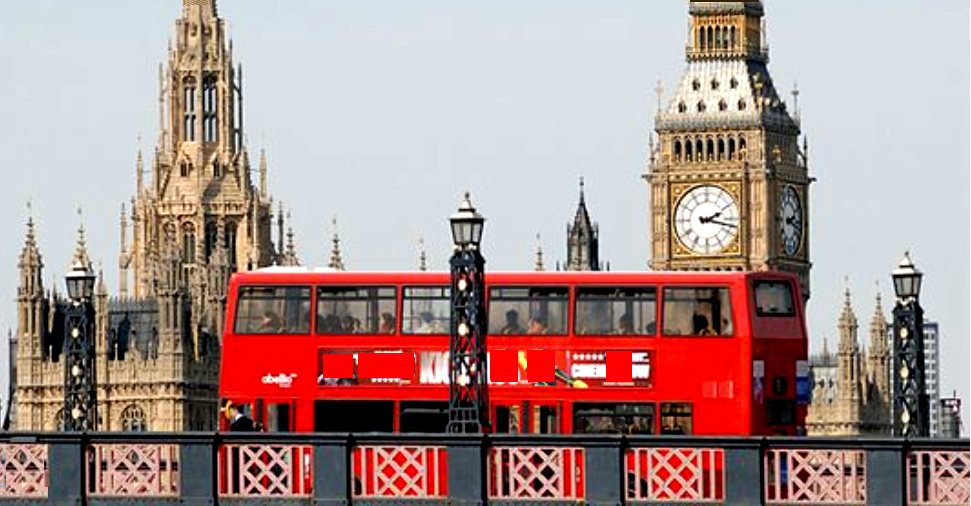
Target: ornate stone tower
[[199, 219], [201, 188], [582, 240], [878, 396], [729, 184]]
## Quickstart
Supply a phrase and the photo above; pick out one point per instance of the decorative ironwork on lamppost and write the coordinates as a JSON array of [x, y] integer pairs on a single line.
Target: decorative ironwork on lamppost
[[80, 395], [910, 398], [468, 391]]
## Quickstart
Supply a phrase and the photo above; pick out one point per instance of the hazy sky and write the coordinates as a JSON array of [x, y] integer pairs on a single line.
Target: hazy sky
[[383, 112]]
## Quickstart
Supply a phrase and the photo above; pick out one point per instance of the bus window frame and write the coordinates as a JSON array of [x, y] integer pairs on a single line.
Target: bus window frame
[[575, 309], [663, 300], [568, 296], [758, 306], [401, 318], [240, 298], [359, 286]]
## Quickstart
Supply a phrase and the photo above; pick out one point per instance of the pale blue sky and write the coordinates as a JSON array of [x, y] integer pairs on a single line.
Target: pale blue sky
[[383, 112]]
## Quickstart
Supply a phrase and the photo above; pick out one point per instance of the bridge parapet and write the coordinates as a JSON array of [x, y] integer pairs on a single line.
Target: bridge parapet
[[331, 469]]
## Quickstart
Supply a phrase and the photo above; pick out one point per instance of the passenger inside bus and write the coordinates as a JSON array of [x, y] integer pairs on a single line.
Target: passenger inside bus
[[387, 324], [512, 323], [537, 326]]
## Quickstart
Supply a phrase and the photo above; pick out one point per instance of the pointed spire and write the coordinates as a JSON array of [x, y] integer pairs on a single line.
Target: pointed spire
[[139, 169], [422, 256], [336, 261], [878, 329], [81, 248], [290, 258], [279, 228], [795, 102], [206, 7], [582, 239], [825, 349], [100, 288], [659, 91], [538, 266], [30, 263], [263, 172]]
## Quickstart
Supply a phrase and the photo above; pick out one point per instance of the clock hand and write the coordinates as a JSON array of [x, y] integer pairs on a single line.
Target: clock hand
[[709, 219], [724, 223]]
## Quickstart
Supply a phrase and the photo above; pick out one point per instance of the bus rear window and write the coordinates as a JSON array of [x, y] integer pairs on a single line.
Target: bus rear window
[[356, 310], [528, 310], [616, 310], [273, 310], [774, 298], [698, 311]]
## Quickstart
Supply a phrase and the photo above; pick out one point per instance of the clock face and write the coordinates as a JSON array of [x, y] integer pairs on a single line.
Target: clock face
[[706, 219], [790, 221]]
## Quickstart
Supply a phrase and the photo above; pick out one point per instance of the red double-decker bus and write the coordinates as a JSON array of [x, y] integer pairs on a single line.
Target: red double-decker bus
[[711, 352]]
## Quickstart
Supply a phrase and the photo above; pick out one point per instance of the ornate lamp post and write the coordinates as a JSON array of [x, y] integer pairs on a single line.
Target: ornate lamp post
[[80, 396], [910, 399], [468, 399]]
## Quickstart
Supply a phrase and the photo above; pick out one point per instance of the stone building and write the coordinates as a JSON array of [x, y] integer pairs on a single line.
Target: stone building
[[198, 219], [728, 180], [851, 393]]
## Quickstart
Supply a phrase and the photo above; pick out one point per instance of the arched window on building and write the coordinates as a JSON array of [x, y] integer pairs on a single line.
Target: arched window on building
[[211, 232], [718, 38], [189, 109], [209, 107], [133, 419], [699, 151], [711, 39], [677, 150], [688, 151], [711, 150], [732, 40], [731, 148], [231, 244], [188, 243], [721, 149]]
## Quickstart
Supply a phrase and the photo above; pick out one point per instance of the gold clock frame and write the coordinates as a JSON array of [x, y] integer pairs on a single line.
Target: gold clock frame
[[678, 248]]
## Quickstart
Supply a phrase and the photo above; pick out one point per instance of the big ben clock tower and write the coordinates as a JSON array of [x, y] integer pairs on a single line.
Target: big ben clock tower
[[729, 184]]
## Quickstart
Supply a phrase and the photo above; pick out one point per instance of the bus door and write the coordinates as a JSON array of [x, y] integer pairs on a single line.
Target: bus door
[[507, 418], [544, 417], [278, 415]]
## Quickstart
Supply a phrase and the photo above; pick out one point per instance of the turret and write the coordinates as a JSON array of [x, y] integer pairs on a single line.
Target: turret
[[583, 240]]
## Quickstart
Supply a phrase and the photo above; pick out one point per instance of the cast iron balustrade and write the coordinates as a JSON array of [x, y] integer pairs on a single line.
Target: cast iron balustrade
[[234, 468]]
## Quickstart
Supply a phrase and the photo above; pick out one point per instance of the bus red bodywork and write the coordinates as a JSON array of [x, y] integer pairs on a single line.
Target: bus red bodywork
[[750, 379]]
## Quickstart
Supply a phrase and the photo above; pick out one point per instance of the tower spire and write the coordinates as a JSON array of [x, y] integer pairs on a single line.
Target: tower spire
[[583, 239], [81, 247], [422, 256], [538, 266], [263, 172], [336, 261]]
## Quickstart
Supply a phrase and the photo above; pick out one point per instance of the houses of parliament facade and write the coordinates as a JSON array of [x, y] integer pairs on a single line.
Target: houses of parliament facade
[[726, 144]]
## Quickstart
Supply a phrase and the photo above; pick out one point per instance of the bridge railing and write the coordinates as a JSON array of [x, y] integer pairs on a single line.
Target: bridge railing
[[234, 468]]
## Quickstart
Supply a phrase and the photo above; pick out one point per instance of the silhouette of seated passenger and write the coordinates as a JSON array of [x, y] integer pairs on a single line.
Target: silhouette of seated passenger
[[512, 323], [701, 327]]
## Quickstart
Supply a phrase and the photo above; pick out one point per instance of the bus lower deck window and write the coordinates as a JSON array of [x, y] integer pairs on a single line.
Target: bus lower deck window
[[610, 418], [676, 418]]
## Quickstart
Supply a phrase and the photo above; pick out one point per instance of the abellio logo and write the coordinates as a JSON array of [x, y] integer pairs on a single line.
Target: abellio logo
[[282, 380]]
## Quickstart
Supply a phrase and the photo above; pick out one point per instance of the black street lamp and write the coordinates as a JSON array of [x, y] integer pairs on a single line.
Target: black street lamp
[[910, 399], [80, 396], [468, 391]]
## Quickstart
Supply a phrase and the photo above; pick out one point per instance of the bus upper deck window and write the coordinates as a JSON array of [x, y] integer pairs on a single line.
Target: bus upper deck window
[[774, 298], [618, 311], [273, 310], [528, 310], [426, 310], [356, 310], [697, 311]]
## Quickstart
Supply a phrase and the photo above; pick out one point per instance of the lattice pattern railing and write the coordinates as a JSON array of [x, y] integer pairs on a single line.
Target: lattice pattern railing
[[400, 471], [695, 475], [134, 470], [939, 477], [265, 470], [536, 473], [24, 469], [801, 476]]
